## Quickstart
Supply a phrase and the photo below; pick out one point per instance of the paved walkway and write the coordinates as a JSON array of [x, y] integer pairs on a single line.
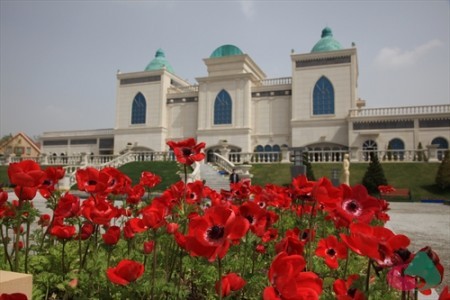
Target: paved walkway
[[426, 224]]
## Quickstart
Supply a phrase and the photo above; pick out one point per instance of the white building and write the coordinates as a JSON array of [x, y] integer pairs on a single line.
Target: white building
[[317, 107]]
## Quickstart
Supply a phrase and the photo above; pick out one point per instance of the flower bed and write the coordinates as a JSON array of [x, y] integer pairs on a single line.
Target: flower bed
[[307, 241]]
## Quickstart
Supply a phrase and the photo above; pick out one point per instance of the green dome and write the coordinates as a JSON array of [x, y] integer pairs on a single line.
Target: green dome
[[159, 62], [226, 50], [327, 42]]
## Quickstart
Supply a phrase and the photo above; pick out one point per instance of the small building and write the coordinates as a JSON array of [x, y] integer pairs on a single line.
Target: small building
[[20, 145]]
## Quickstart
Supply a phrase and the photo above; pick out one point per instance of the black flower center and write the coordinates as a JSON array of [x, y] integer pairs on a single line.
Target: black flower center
[[351, 292], [215, 232], [352, 206], [250, 219], [187, 151], [331, 252], [92, 182]]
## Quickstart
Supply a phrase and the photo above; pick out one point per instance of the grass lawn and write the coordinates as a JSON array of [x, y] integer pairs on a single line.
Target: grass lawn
[[418, 177]]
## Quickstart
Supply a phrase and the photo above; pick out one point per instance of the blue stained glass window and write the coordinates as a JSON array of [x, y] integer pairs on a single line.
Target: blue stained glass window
[[397, 144], [323, 97], [222, 108], [267, 148], [259, 148], [443, 144], [139, 109]]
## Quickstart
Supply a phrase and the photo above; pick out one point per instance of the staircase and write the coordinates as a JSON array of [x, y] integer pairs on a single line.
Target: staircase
[[213, 179]]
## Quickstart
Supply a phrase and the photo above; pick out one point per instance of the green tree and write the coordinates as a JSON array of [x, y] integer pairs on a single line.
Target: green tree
[[443, 173], [309, 170], [5, 138], [374, 175]]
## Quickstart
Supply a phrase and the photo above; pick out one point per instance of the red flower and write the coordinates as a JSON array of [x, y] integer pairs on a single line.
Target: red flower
[[378, 243], [91, 180], [445, 295], [331, 249], [26, 173], [230, 283], [52, 177], [112, 236], [14, 296], [86, 231], [186, 151], [68, 206], [256, 217], [291, 244], [135, 194], [289, 282], [98, 210], [344, 289], [44, 220], [125, 272], [61, 231], [210, 235], [116, 182], [153, 215], [149, 180], [148, 247]]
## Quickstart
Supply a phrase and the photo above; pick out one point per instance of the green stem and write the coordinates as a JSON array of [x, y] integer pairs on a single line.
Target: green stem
[[17, 235], [368, 277], [153, 267], [220, 277], [27, 245], [311, 223], [5, 246], [62, 259]]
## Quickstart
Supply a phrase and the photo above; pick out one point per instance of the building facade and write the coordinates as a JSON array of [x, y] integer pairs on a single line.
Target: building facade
[[316, 107]]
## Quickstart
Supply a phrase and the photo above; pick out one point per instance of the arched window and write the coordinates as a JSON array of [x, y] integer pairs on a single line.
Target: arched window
[[323, 97], [369, 147], [139, 109], [398, 147], [441, 142], [267, 148], [222, 108], [259, 148], [276, 148]]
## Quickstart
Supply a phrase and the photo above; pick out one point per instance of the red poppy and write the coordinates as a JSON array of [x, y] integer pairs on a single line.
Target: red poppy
[[149, 180], [291, 244], [98, 210], [256, 217], [68, 206], [3, 197], [289, 282], [153, 215], [331, 250], [445, 295], [86, 231], [136, 225], [345, 290], [135, 194], [90, 180], [210, 235], [116, 182], [186, 151], [148, 247], [397, 278], [52, 177], [61, 231], [230, 283], [378, 243], [302, 187], [26, 173], [125, 272], [112, 236], [355, 205], [44, 220], [14, 296]]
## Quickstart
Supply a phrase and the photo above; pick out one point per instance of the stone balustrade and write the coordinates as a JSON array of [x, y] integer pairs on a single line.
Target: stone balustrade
[[396, 111]]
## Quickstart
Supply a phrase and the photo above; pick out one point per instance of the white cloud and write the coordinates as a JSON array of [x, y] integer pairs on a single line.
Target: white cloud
[[395, 58], [248, 8]]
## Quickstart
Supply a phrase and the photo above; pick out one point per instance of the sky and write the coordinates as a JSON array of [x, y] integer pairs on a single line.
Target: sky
[[59, 59]]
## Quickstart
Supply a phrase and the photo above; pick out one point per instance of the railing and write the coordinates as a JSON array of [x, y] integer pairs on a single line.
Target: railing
[[182, 89], [223, 162], [275, 81], [326, 156], [394, 155], [406, 110], [254, 157]]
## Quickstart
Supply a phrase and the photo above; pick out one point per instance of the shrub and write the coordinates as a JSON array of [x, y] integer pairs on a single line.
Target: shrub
[[374, 175]]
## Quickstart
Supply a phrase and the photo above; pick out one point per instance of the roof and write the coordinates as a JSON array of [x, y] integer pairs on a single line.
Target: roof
[[226, 50], [25, 137], [159, 62], [327, 42]]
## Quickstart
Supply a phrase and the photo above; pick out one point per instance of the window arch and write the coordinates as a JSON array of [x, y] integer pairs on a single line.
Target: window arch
[[323, 97], [441, 142], [138, 109], [267, 148], [370, 147], [259, 148], [222, 108], [398, 147], [276, 148]]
